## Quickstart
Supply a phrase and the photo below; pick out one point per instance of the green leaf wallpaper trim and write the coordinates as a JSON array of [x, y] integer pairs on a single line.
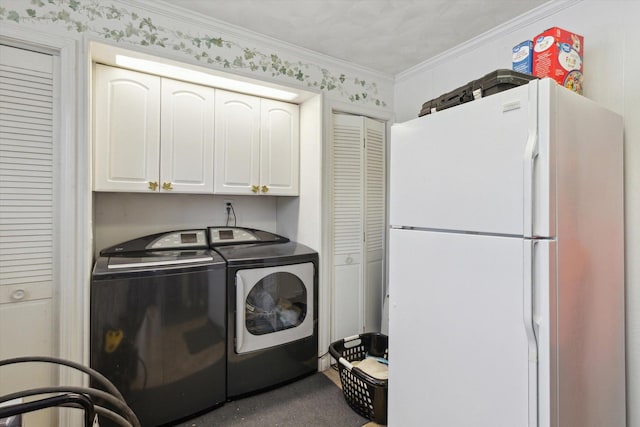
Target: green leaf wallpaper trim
[[123, 26]]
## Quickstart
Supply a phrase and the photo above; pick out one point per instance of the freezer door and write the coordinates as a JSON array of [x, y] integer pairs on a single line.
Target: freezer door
[[466, 168], [459, 350]]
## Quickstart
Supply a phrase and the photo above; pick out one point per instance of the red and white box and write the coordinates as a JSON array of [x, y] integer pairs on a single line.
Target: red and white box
[[558, 54]]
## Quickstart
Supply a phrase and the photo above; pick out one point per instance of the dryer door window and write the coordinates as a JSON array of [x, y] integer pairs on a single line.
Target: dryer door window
[[277, 302], [274, 306]]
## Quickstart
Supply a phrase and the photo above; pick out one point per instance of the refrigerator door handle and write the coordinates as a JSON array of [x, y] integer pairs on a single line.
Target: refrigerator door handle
[[529, 324], [530, 155]]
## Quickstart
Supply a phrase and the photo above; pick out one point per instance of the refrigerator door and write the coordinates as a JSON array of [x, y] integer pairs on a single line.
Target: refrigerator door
[[468, 168], [460, 335]]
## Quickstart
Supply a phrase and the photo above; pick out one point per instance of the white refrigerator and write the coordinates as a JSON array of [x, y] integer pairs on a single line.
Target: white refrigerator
[[506, 264]]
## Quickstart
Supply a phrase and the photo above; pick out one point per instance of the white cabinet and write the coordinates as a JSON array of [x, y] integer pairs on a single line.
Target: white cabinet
[[151, 133], [257, 146], [186, 137], [237, 147], [279, 147], [126, 130]]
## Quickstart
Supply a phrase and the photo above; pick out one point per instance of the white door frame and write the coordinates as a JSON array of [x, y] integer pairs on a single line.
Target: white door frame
[[72, 254]]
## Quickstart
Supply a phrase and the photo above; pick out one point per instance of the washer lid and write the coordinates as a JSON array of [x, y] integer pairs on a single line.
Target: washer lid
[[165, 258]]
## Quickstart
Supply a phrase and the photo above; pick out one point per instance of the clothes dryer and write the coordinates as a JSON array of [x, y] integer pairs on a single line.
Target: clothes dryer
[[272, 308]]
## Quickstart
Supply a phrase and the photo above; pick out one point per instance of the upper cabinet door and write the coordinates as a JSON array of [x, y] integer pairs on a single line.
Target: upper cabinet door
[[127, 129], [279, 148], [186, 157], [237, 147]]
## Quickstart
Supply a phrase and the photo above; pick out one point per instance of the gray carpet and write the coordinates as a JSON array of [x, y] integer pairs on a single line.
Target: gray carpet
[[313, 401]]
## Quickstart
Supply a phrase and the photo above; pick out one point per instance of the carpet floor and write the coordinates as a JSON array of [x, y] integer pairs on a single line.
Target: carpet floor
[[314, 401]]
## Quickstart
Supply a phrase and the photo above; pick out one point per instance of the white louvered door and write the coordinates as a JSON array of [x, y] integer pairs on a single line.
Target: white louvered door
[[374, 214], [347, 165], [27, 218], [358, 223]]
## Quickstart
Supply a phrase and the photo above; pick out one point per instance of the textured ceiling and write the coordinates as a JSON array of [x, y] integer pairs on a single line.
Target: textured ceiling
[[388, 36]]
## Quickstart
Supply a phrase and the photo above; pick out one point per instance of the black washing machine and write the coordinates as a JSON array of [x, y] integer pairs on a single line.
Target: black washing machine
[[158, 313], [272, 308]]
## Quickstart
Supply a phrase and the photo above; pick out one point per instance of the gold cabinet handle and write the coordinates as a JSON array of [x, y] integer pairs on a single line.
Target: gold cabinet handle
[[167, 186], [264, 189], [153, 186], [255, 189]]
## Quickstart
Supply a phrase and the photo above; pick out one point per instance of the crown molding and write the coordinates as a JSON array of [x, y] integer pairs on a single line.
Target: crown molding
[[550, 8], [173, 12]]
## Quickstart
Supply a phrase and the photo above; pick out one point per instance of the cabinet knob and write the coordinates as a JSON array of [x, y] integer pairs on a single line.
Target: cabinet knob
[[153, 186], [255, 188], [167, 186], [18, 295], [264, 189]]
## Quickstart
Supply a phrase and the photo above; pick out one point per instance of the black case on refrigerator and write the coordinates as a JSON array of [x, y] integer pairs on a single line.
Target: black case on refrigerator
[[494, 82]]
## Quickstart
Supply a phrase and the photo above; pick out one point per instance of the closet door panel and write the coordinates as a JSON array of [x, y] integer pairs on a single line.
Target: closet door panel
[[358, 223], [27, 220], [374, 213], [347, 235]]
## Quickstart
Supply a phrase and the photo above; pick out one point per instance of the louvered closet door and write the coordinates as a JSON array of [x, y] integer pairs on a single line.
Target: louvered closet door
[[374, 213], [358, 232], [347, 165], [26, 217]]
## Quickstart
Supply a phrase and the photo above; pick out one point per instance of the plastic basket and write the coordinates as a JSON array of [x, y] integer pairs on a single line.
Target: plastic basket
[[365, 394]]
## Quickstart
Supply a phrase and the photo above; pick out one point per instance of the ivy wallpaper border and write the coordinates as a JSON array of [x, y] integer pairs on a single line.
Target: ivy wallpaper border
[[118, 24]]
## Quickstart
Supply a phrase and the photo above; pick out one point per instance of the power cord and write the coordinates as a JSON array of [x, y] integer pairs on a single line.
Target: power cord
[[230, 210]]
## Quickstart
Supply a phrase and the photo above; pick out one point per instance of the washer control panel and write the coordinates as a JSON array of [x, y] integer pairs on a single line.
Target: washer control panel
[[172, 240]]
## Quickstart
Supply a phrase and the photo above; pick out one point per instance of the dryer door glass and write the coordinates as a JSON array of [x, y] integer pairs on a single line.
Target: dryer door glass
[[277, 302], [273, 306]]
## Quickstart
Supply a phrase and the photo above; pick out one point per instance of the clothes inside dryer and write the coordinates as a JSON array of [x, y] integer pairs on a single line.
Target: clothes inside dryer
[[275, 303]]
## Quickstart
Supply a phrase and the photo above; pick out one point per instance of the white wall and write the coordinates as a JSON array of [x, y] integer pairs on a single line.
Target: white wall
[[611, 69], [123, 216], [299, 217]]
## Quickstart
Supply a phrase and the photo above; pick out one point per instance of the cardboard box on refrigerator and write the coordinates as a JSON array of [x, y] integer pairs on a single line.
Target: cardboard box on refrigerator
[[558, 54], [522, 57]]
